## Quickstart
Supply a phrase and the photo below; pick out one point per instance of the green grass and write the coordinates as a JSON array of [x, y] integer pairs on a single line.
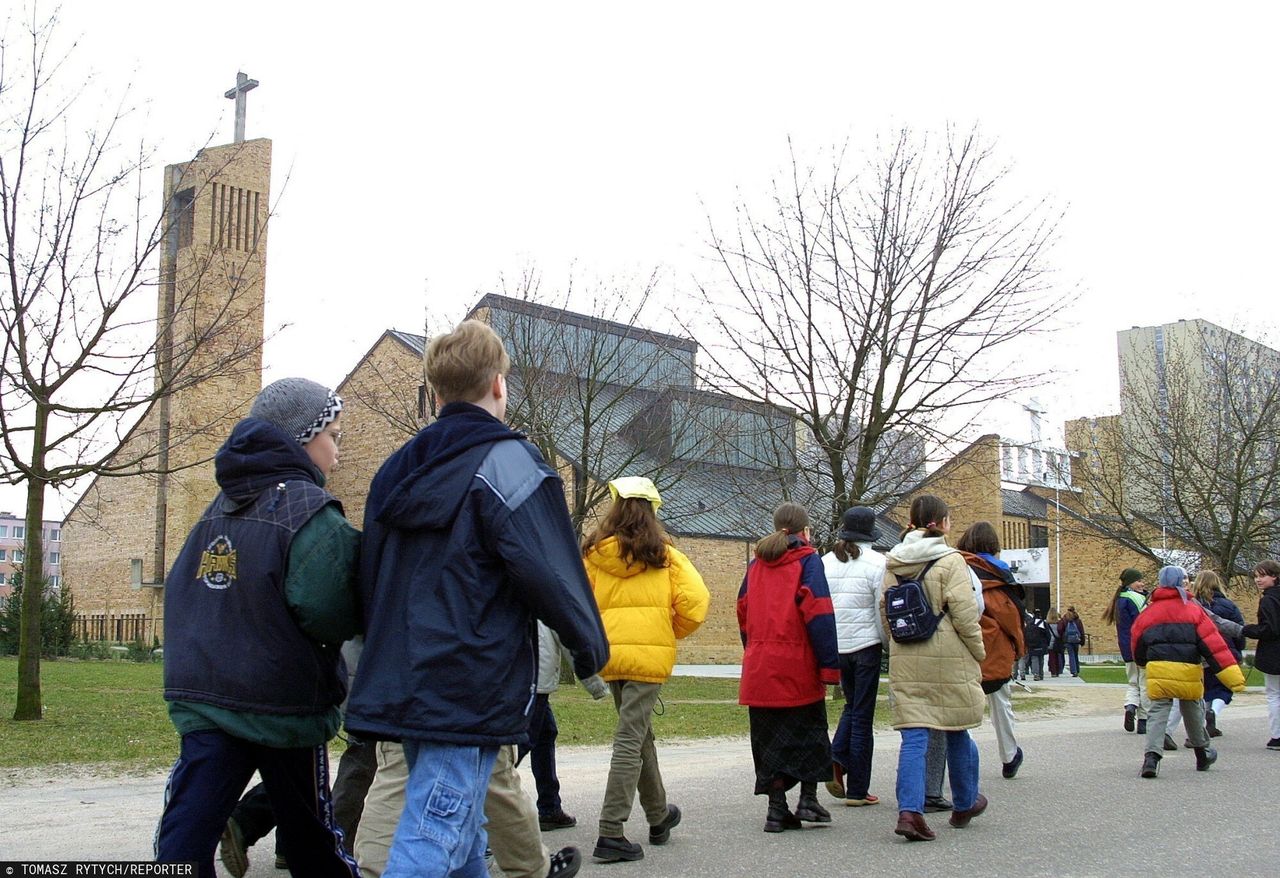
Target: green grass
[[1103, 674], [112, 712], [94, 711]]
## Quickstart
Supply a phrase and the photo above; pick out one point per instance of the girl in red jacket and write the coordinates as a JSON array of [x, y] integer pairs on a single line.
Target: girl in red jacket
[[789, 637]]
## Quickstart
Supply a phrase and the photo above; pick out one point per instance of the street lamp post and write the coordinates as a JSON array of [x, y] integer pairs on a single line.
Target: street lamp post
[[1057, 540]]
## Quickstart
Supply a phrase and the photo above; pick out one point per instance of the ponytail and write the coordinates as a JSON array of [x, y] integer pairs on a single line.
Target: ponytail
[[788, 519]]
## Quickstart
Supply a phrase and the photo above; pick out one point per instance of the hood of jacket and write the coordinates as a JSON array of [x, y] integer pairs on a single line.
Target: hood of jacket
[[796, 549], [257, 455], [992, 572], [914, 552], [423, 485], [607, 555]]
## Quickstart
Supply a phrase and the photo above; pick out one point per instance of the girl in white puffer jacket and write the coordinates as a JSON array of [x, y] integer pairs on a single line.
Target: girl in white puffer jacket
[[855, 575]]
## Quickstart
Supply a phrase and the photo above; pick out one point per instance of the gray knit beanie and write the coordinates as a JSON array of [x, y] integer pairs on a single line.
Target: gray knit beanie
[[300, 407]]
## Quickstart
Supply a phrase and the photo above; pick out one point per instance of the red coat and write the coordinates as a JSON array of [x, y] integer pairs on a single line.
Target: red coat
[[788, 631], [1170, 639]]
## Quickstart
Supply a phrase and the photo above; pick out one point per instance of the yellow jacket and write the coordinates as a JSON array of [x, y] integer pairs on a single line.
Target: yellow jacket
[[645, 610]]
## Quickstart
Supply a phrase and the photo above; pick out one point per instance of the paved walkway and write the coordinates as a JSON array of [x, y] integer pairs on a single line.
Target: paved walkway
[[1077, 808]]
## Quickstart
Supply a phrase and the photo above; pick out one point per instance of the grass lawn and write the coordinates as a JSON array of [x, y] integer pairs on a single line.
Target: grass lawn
[[1103, 674], [112, 712]]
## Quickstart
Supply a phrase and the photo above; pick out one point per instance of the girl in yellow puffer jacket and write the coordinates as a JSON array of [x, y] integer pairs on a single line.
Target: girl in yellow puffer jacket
[[649, 596]]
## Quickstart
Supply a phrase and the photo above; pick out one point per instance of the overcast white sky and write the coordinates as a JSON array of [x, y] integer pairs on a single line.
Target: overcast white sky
[[432, 147]]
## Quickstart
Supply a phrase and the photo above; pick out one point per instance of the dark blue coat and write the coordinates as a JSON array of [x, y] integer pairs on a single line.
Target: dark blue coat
[[1126, 611], [466, 540]]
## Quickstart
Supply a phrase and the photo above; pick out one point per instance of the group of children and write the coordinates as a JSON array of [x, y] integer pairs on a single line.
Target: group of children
[[466, 543]]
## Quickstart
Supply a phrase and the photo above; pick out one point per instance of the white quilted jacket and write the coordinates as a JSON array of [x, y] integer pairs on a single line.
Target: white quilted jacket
[[855, 594]]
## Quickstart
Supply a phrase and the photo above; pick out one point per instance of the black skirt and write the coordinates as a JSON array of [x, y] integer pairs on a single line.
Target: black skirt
[[790, 745]]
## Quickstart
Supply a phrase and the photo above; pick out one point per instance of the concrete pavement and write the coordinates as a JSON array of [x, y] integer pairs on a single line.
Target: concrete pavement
[[1077, 808]]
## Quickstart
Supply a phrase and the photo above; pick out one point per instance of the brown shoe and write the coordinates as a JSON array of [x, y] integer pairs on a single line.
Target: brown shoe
[[912, 827], [960, 819]]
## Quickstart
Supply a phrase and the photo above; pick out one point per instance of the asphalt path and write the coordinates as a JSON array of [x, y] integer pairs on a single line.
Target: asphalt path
[[1077, 808]]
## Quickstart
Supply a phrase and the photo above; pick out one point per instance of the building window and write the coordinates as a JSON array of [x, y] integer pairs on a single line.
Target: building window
[[55, 535], [53, 558], [55, 582], [1039, 536], [4, 530], [17, 556], [19, 532], [1, 579], [3, 553]]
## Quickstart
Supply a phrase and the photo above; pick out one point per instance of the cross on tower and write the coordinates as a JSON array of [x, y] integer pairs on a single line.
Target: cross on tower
[[243, 86]]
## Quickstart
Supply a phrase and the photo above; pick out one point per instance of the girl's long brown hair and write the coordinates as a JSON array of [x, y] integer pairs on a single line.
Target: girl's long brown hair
[[927, 513], [641, 537], [788, 519], [1207, 582]]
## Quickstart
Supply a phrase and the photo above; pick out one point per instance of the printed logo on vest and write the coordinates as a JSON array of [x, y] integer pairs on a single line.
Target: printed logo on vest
[[218, 564]]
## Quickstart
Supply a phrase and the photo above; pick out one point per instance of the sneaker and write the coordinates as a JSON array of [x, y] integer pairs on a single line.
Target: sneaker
[[281, 863], [868, 799], [1169, 746], [1150, 765], [1011, 767], [1273, 744], [1129, 711], [232, 850], [933, 804], [1142, 727], [565, 863], [613, 850], [661, 833], [1205, 756], [558, 820]]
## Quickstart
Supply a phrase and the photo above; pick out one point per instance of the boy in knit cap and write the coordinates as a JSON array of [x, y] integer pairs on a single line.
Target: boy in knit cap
[[256, 606], [1170, 638]]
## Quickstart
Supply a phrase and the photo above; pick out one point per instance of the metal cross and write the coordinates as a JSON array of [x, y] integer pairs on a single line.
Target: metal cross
[[243, 86]]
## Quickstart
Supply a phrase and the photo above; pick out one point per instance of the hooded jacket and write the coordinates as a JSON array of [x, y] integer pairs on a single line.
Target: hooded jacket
[[1001, 619], [855, 597], [1171, 637], [260, 597], [936, 683], [788, 630], [1129, 604], [467, 539], [645, 610]]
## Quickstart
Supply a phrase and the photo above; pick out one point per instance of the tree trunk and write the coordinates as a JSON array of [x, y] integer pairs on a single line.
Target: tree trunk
[[29, 704]]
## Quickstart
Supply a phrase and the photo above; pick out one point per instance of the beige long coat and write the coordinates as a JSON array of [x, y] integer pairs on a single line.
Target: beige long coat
[[937, 683]]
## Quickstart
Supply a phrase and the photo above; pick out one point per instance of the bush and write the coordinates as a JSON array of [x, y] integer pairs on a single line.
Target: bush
[[57, 621], [90, 650], [139, 651]]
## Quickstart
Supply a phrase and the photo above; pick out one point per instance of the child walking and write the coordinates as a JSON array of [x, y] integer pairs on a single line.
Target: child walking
[[1267, 633], [1170, 637]]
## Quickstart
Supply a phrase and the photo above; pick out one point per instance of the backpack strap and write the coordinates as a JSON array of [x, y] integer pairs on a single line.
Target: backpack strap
[[919, 577]]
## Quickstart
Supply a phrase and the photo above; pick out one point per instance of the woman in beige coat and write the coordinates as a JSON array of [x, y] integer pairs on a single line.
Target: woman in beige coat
[[936, 683]]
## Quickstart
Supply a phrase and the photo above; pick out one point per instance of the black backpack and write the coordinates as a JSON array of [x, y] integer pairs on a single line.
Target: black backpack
[[906, 605]]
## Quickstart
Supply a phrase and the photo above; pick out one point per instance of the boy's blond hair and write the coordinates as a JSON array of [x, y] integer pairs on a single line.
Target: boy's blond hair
[[461, 364]]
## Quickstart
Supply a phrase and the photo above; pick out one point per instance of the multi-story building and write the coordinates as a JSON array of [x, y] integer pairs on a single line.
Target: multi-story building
[[13, 533]]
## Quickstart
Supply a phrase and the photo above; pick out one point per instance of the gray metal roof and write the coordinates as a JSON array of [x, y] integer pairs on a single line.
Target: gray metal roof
[[1023, 504]]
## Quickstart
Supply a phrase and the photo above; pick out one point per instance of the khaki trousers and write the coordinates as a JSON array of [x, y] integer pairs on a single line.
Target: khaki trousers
[[634, 766], [513, 830]]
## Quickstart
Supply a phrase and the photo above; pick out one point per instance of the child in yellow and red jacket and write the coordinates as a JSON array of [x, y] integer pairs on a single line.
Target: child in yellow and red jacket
[[1170, 638]]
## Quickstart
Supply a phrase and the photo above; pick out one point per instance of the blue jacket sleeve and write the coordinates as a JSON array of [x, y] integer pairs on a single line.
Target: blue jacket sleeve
[[537, 545], [815, 604]]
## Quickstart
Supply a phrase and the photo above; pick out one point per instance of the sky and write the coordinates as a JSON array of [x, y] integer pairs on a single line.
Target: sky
[[423, 152]]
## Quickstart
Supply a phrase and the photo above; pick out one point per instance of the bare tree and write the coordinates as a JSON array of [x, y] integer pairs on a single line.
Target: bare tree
[[86, 357], [882, 309], [1191, 461], [593, 390]]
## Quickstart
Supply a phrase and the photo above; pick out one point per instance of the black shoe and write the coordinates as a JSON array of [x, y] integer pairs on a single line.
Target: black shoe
[[613, 850], [780, 817], [1211, 723], [1142, 727], [232, 849], [558, 820], [1011, 767], [1129, 711], [1150, 765], [809, 810], [566, 862], [1205, 756], [933, 804], [1169, 746], [1273, 744], [661, 833], [1039, 676]]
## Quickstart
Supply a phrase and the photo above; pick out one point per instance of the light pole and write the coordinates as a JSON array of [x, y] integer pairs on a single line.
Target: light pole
[[1057, 540]]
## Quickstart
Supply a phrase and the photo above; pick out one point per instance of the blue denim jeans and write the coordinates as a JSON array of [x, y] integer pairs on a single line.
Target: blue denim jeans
[[962, 767], [854, 744], [1073, 654], [441, 831]]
